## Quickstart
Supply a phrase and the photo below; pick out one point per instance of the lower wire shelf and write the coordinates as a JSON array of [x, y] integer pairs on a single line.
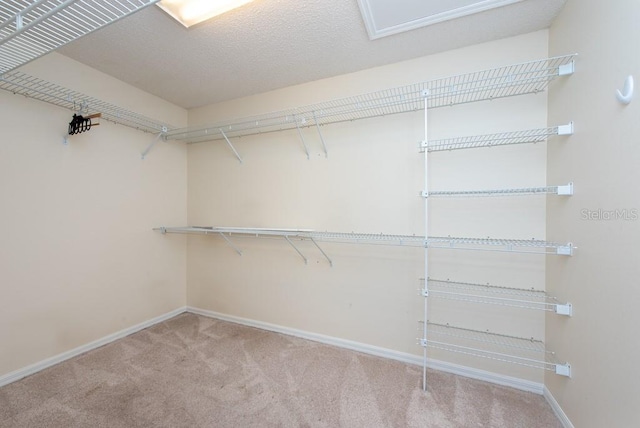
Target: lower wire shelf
[[479, 244], [495, 295], [509, 349]]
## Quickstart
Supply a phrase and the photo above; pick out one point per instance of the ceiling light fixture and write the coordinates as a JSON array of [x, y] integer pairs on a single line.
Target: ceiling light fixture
[[192, 12]]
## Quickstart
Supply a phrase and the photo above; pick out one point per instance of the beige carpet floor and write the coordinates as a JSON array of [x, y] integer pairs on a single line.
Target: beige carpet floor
[[193, 371]]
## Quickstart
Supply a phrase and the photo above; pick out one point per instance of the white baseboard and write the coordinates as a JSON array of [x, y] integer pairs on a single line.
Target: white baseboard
[[564, 419], [469, 372], [34, 368]]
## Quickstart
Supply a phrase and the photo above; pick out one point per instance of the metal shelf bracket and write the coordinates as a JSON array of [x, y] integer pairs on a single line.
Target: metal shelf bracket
[[304, 144], [567, 69], [323, 253], [297, 250], [324, 146], [236, 249], [564, 309], [153, 143], [230, 145], [565, 250], [566, 190], [563, 369], [566, 129]]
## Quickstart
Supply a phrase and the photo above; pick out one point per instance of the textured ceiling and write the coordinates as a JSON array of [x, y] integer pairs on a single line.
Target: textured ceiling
[[270, 44]]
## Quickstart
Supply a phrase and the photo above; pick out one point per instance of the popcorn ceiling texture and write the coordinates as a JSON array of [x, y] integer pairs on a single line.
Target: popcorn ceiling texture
[[270, 44]]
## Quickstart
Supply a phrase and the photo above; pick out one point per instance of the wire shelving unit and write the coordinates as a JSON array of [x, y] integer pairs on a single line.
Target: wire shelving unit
[[519, 79], [562, 190], [496, 295], [530, 136], [32, 87], [528, 352], [30, 29], [479, 244]]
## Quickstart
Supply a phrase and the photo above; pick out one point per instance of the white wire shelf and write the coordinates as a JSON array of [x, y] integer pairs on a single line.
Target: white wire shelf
[[495, 295], [534, 246], [32, 87], [30, 29], [519, 79], [509, 349], [563, 190], [529, 136], [486, 244], [352, 238]]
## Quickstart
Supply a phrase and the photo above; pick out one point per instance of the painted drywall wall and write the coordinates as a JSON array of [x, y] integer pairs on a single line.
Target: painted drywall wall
[[78, 257], [370, 183], [601, 280]]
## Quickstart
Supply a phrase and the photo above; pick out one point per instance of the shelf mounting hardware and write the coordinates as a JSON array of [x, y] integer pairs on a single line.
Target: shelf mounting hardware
[[297, 250], [324, 146], [566, 129], [564, 309], [230, 145], [563, 369], [231, 243], [304, 144], [153, 143], [567, 69], [323, 253]]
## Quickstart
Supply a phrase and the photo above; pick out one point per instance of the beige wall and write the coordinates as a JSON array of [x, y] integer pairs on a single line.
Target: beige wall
[[603, 159], [369, 183], [78, 258]]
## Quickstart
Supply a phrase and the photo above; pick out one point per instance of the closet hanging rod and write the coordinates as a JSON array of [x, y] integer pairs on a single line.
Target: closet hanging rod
[[30, 30]]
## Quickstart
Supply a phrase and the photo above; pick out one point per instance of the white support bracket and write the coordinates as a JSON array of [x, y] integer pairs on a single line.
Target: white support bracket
[[230, 145], [566, 190], [565, 250], [323, 253], [564, 309], [297, 250], [566, 129], [153, 143], [563, 369], [324, 146], [231, 244], [423, 145], [424, 292], [424, 194], [422, 342], [567, 69], [304, 144]]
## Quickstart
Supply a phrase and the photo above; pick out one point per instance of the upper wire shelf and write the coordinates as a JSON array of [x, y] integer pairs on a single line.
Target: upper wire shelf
[[31, 29], [36, 88], [510, 349], [496, 295], [524, 78]]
